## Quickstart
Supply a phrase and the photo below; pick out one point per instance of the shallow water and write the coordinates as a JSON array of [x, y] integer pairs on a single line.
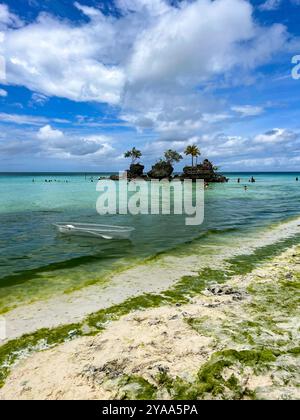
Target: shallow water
[[37, 262]]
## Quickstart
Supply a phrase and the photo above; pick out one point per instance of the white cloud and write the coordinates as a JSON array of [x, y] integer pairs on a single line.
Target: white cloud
[[202, 39], [151, 44], [277, 135], [248, 110], [195, 44], [57, 143], [274, 147], [253, 163], [8, 19], [38, 99], [74, 66], [213, 118], [91, 12], [157, 148], [94, 145], [22, 119], [159, 63], [153, 7], [51, 143], [49, 133], [227, 150], [270, 5], [3, 93], [277, 149]]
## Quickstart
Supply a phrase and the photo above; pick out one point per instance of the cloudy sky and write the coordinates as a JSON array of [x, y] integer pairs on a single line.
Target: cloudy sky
[[81, 82]]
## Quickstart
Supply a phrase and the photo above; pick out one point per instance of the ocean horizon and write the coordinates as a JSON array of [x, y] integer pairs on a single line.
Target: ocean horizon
[[115, 172]]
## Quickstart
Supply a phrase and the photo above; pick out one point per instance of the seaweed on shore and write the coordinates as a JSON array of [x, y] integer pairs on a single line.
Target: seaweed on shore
[[42, 339], [180, 293], [221, 377]]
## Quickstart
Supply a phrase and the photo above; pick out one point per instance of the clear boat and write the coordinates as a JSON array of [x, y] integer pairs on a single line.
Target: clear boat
[[95, 230]]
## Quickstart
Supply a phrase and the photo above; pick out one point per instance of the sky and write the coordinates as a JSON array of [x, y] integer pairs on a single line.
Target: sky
[[81, 82]]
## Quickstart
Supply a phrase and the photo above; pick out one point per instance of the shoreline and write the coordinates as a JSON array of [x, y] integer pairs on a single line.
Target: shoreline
[[234, 340], [159, 275]]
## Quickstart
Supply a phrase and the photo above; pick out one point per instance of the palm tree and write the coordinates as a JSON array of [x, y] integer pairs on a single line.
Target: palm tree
[[194, 151], [134, 154], [172, 156]]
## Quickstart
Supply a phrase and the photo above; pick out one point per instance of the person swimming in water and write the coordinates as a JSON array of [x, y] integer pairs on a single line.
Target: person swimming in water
[[245, 187]]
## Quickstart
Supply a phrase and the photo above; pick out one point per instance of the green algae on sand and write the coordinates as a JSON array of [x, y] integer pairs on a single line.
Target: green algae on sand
[[180, 293]]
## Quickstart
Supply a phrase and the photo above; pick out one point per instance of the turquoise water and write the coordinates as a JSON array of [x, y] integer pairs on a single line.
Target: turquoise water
[[35, 261]]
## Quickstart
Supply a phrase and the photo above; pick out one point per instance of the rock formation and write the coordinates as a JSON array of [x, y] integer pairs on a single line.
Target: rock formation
[[160, 170], [136, 170], [203, 171], [164, 169]]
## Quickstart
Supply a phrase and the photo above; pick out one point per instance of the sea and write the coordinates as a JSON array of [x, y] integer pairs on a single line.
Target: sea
[[36, 262]]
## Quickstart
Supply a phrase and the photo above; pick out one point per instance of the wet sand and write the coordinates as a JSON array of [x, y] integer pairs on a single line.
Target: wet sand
[[153, 277], [237, 341]]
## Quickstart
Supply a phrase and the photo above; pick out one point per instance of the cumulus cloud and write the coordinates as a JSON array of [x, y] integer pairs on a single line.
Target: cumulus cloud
[[74, 66], [152, 43], [270, 5], [58, 143], [90, 146], [153, 7], [157, 62], [166, 51], [248, 110], [8, 19], [156, 149], [227, 150], [51, 143], [278, 147], [185, 48], [49, 133], [277, 135], [174, 115]]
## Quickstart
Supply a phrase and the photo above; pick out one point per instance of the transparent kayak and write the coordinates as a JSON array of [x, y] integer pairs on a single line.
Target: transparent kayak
[[95, 230]]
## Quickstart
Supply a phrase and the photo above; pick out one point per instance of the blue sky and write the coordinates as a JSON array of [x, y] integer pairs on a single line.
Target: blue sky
[[82, 82]]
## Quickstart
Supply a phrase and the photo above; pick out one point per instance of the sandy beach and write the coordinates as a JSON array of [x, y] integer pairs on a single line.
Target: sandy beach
[[234, 340]]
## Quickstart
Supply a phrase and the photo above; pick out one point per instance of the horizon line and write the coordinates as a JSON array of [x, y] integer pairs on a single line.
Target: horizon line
[[109, 172]]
